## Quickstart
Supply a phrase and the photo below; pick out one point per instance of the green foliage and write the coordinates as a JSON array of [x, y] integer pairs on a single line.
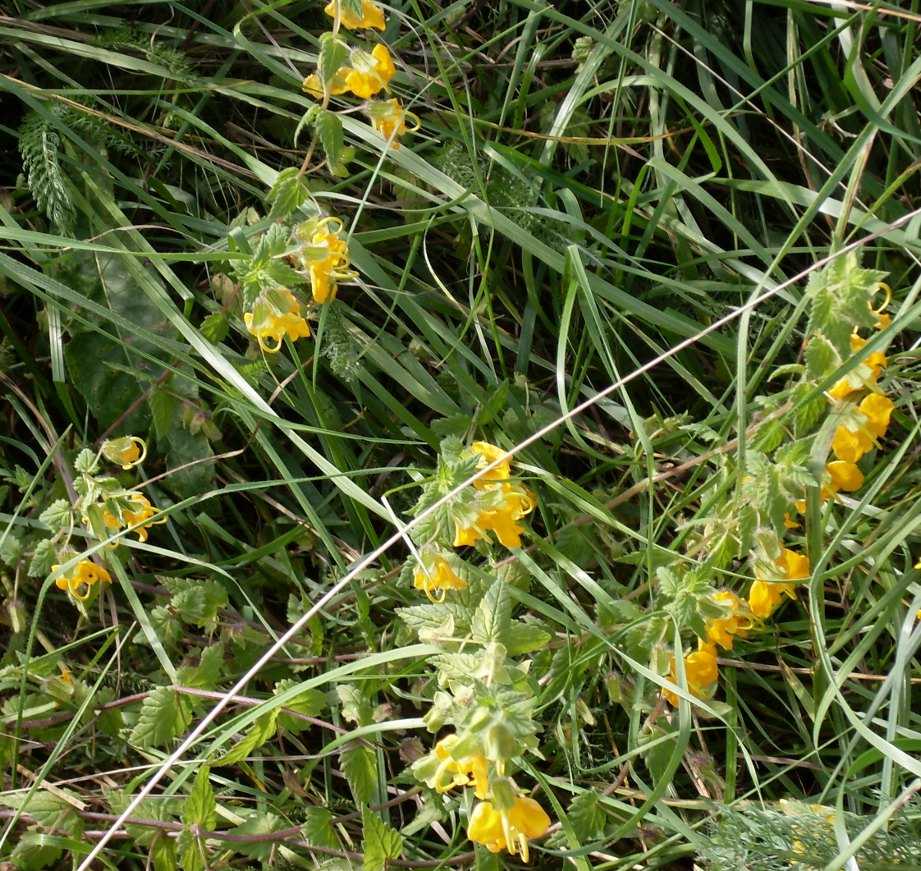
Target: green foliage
[[164, 715], [380, 842], [39, 145]]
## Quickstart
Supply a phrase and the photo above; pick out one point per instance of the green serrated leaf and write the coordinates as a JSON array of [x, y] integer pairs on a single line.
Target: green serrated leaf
[[359, 765], [288, 193], [329, 128], [197, 602], [10, 550], [587, 817], [333, 55], [164, 406], [163, 853], [200, 808], [51, 812], [259, 823], [493, 615], [57, 515], [207, 674], [260, 732], [164, 715], [521, 638], [318, 828], [310, 703], [380, 842], [356, 707], [215, 327]]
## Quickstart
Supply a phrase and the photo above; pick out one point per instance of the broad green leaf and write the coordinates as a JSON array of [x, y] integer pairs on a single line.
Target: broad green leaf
[[57, 515], [197, 602], [586, 816], [207, 674], [356, 707], [164, 715], [259, 823], [43, 557], [329, 129], [493, 614], [359, 765], [521, 638], [287, 195], [333, 55], [200, 808], [163, 853], [318, 828], [380, 842], [311, 703]]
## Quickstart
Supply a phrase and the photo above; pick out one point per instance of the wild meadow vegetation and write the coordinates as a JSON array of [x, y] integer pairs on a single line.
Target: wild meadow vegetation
[[460, 435]]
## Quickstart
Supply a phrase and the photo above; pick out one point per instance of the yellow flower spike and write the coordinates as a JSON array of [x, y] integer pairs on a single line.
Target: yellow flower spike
[[435, 579], [844, 476], [389, 118], [371, 15], [370, 73], [127, 451]]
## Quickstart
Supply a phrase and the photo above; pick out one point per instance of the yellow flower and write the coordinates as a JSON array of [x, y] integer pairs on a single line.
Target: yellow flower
[[844, 476], [80, 583], [127, 451], [336, 85], [700, 669], [721, 630], [486, 454], [370, 73], [324, 256], [765, 596], [389, 118], [141, 512], [851, 444], [509, 829], [864, 375], [437, 577], [517, 501], [462, 771], [371, 15], [274, 316]]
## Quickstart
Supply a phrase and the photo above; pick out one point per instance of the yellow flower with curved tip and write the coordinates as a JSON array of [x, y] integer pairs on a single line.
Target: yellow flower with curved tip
[[140, 512], [765, 596], [276, 315], [371, 15], [370, 73], [313, 85], [127, 451], [462, 771], [517, 501], [436, 577], [389, 118], [864, 375], [80, 584], [851, 444], [700, 669], [325, 257], [509, 829], [722, 630], [487, 453]]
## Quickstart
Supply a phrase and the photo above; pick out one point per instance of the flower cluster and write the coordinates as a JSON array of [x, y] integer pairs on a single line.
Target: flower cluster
[[132, 509], [102, 504], [484, 693], [501, 505], [80, 582], [363, 74], [495, 505], [504, 818]]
